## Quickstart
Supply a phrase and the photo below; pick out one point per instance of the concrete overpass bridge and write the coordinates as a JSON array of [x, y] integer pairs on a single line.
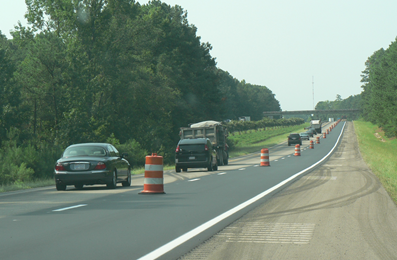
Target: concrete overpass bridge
[[316, 113]]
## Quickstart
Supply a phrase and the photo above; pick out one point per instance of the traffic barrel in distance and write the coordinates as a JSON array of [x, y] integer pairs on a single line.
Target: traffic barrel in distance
[[311, 144], [318, 140], [297, 150], [265, 157], [324, 135], [327, 131], [154, 176]]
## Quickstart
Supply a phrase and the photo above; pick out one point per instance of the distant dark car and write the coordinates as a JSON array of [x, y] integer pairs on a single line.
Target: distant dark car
[[305, 136], [195, 153], [92, 163], [294, 138], [311, 132]]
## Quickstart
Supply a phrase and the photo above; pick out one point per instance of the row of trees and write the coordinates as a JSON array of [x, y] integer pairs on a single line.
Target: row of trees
[[239, 126], [379, 96], [352, 102], [111, 70]]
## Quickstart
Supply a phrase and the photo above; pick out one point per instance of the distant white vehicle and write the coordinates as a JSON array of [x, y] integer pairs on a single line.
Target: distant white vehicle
[[316, 124]]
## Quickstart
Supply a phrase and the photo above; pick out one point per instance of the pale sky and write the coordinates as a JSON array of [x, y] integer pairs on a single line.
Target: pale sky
[[283, 44]]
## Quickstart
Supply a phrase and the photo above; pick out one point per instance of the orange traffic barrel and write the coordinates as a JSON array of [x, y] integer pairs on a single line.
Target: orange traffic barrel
[[265, 157], [154, 179], [327, 131], [324, 135], [318, 140], [297, 150], [311, 144]]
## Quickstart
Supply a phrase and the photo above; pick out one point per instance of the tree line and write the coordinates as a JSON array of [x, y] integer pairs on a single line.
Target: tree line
[[109, 71], [352, 102], [379, 96]]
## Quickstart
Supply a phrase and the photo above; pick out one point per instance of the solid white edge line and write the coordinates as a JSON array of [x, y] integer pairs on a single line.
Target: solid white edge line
[[72, 207], [192, 233]]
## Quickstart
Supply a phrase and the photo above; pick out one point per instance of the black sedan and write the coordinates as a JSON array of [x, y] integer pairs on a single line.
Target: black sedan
[[92, 163]]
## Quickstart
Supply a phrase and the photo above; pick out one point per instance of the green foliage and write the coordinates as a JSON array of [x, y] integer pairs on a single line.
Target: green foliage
[[116, 71], [136, 154], [253, 141], [379, 155], [352, 102], [380, 89], [238, 126]]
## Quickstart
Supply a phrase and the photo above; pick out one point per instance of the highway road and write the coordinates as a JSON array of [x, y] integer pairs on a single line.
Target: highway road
[[98, 223]]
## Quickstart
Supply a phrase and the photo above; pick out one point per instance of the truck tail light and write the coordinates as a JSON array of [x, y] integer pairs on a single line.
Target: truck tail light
[[177, 149], [100, 166], [206, 148]]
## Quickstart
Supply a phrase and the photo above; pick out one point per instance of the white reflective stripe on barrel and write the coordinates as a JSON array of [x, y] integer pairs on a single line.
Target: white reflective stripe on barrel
[[153, 181], [153, 167]]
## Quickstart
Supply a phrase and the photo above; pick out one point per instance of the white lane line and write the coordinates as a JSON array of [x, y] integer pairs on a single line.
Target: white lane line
[[192, 233], [197, 179], [221, 173], [71, 207], [242, 169]]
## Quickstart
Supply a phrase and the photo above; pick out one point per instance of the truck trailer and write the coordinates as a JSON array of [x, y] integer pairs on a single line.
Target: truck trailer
[[316, 124], [213, 130]]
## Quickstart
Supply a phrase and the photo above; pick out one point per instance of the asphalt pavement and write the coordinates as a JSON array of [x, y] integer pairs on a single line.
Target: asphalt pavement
[[338, 211], [324, 204]]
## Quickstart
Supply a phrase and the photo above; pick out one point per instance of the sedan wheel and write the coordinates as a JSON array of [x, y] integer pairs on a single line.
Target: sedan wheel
[[127, 183], [113, 184], [60, 186]]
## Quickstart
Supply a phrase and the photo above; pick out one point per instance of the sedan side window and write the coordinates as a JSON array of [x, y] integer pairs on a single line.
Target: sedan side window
[[111, 151]]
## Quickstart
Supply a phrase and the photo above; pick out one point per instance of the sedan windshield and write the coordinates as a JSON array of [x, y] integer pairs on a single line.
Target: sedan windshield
[[84, 151]]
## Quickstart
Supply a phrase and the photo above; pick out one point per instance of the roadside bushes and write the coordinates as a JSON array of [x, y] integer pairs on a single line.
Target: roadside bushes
[[22, 162]]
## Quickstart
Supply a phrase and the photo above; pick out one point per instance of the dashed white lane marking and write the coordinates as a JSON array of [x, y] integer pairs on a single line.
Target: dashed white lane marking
[[221, 173], [71, 207], [242, 169], [197, 179]]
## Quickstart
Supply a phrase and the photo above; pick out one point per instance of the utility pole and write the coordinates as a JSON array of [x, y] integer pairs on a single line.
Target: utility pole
[[313, 90]]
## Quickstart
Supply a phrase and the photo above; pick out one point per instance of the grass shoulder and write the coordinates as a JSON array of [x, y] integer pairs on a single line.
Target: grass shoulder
[[379, 153], [253, 141]]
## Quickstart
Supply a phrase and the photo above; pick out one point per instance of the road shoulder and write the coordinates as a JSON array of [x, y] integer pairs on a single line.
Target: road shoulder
[[338, 211]]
